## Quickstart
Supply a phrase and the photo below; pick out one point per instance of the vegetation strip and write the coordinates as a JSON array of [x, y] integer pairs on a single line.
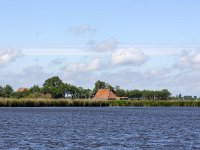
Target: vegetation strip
[[95, 103], [55, 88]]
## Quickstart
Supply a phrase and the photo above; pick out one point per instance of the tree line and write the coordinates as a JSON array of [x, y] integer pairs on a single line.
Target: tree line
[[54, 87], [134, 94]]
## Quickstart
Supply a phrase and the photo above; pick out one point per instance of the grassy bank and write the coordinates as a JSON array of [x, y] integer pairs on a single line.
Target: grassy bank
[[94, 103]]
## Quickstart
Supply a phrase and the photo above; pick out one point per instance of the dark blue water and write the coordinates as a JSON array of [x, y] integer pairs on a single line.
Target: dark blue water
[[99, 128]]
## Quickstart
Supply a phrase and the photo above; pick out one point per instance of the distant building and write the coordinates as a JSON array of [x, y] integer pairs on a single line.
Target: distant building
[[123, 98], [22, 89], [105, 94]]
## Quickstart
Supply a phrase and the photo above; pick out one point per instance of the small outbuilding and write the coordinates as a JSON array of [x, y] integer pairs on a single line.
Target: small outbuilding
[[105, 94]]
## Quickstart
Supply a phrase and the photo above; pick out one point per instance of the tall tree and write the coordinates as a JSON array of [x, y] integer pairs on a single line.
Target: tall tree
[[136, 94], [7, 91], [1, 91], [120, 92], [99, 85], [55, 87], [35, 89], [164, 94]]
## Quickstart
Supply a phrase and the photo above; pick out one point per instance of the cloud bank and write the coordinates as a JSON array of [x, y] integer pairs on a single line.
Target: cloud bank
[[189, 60], [82, 67], [126, 66]]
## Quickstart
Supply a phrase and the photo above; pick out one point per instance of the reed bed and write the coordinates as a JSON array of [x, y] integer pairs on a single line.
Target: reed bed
[[95, 103]]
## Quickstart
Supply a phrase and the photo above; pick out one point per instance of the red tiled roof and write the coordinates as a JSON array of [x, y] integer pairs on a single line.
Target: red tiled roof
[[105, 94]]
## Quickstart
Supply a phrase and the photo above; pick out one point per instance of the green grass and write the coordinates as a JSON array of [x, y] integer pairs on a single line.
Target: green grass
[[95, 103]]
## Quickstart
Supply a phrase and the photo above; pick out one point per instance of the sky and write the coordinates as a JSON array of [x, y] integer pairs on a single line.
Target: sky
[[136, 44]]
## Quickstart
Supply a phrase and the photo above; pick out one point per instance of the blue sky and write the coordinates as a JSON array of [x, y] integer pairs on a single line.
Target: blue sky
[[132, 43]]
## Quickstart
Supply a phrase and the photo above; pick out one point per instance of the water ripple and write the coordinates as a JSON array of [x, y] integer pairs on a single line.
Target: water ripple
[[99, 128]]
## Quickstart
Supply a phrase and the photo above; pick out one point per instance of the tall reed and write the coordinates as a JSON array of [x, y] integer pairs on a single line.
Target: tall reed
[[95, 103]]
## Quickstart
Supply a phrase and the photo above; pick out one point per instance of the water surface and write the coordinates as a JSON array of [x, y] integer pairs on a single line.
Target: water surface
[[100, 128]]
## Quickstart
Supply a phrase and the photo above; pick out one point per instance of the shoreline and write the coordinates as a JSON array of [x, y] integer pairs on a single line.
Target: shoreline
[[96, 103]]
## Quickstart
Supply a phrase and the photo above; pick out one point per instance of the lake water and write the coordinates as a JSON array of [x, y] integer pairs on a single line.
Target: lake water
[[100, 128]]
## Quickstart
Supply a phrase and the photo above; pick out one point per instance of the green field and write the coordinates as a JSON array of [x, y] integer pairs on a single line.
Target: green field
[[95, 103]]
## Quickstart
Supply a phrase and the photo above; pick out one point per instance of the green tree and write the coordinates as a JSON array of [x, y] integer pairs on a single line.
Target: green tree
[[188, 97], [55, 87], [88, 93], [7, 91], [17, 95], [120, 92], [73, 90], [1, 91], [35, 89], [147, 94], [99, 85], [111, 88], [164, 94], [68, 90], [136, 94], [102, 85]]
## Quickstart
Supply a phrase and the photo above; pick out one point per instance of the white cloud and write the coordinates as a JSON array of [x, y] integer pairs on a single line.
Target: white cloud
[[9, 55], [29, 76], [124, 56], [81, 74], [82, 67], [189, 60], [82, 29]]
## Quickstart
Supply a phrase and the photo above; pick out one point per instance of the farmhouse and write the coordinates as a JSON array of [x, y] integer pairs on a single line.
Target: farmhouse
[[105, 94], [22, 89]]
